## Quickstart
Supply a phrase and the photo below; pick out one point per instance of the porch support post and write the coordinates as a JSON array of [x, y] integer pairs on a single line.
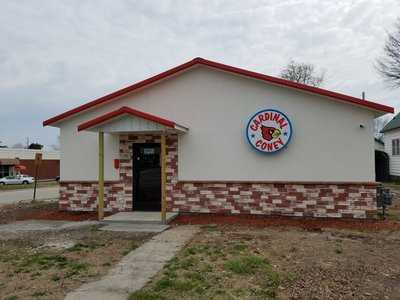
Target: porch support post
[[163, 180], [101, 176]]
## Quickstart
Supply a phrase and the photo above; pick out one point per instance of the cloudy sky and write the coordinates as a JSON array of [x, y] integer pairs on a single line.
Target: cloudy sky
[[55, 55]]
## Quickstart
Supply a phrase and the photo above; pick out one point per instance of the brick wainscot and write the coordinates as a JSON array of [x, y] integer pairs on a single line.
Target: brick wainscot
[[348, 200]]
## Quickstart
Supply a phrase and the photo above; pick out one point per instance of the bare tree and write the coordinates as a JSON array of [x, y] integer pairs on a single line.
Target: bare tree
[[388, 65], [304, 73], [35, 146]]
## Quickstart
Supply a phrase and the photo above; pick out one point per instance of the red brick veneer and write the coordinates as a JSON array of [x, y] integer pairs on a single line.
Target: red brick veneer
[[321, 200], [354, 200], [82, 196]]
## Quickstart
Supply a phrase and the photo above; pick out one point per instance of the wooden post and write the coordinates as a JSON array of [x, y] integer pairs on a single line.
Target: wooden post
[[38, 161], [101, 176], [35, 183], [163, 180]]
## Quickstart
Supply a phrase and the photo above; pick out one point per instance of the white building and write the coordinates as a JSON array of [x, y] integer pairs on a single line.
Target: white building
[[391, 139], [236, 142], [379, 145]]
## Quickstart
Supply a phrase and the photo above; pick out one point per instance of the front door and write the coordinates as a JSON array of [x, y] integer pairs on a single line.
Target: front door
[[146, 177]]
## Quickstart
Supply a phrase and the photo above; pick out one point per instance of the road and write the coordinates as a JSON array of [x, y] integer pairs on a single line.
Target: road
[[10, 197]]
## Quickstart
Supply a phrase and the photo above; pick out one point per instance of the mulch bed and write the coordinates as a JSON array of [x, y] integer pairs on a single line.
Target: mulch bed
[[49, 211], [312, 224], [42, 211]]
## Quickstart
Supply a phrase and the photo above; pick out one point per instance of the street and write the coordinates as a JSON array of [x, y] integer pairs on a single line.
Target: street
[[15, 196]]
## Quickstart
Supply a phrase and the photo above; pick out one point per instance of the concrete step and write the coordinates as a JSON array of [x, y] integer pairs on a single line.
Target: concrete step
[[138, 217], [129, 227]]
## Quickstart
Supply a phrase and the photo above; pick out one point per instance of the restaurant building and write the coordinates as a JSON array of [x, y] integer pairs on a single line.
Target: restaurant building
[[205, 137]]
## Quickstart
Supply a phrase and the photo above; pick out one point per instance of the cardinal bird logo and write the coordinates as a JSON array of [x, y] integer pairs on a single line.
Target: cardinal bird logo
[[270, 133]]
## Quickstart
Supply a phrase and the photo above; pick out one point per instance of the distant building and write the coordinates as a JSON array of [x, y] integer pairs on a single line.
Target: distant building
[[14, 161], [391, 139], [379, 145]]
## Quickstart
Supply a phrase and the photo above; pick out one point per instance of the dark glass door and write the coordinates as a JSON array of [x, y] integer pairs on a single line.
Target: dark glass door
[[146, 177]]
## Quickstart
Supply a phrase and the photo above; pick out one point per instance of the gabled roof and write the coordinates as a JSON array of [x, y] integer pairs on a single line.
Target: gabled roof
[[393, 124], [124, 110], [201, 61]]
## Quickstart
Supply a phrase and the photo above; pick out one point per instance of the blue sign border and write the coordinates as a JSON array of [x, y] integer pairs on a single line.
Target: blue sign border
[[263, 110]]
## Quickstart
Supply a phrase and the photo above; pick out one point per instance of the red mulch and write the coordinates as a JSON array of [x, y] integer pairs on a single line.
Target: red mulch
[[313, 224], [58, 215]]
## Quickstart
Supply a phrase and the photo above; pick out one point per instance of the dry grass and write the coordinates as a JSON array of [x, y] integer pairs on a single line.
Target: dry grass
[[46, 265], [251, 263]]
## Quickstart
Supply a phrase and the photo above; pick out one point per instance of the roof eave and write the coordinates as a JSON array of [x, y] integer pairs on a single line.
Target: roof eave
[[389, 129]]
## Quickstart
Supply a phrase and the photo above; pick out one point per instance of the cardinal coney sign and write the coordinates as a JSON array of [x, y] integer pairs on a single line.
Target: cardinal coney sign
[[269, 131]]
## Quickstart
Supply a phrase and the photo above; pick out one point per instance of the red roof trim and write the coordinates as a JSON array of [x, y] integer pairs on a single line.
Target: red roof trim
[[129, 111], [243, 72], [299, 86]]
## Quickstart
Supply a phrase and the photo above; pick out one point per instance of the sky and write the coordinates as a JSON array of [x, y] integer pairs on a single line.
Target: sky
[[55, 55]]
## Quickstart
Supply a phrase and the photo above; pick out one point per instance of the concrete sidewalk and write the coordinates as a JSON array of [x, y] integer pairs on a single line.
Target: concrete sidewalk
[[137, 268], [15, 196], [43, 225]]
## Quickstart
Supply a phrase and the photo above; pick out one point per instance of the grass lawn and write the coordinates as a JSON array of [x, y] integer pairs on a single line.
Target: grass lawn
[[46, 265], [239, 262], [40, 184]]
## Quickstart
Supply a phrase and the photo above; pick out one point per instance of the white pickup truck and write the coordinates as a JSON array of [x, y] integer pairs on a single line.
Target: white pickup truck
[[17, 179]]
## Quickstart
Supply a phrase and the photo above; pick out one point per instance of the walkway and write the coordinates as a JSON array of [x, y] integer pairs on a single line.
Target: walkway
[[43, 225], [137, 268]]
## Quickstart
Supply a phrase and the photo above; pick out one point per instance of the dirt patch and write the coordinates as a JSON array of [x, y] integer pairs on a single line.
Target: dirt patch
[[47, 265], [42, 210], [241, 262], [313, 224]]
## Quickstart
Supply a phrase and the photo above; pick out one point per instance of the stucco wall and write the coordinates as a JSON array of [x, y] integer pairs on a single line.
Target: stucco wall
[[79, 154], [327, 145]]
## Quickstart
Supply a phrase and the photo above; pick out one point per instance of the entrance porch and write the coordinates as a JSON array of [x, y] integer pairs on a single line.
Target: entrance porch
[[142, 164]]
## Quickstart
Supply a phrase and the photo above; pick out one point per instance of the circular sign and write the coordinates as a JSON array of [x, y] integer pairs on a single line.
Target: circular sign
[[269, 131]]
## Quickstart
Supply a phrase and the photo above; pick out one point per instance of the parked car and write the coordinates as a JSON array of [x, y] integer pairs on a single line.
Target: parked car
[[18, 179]]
